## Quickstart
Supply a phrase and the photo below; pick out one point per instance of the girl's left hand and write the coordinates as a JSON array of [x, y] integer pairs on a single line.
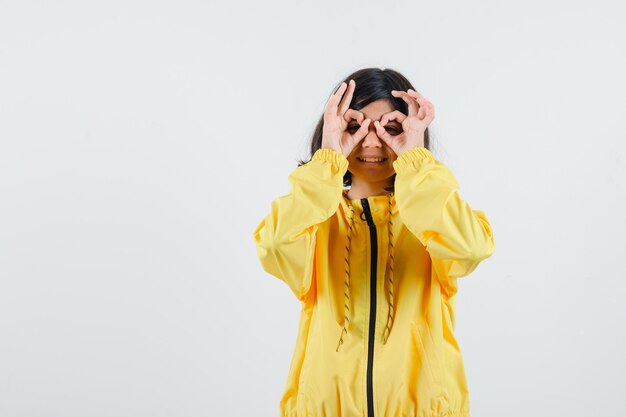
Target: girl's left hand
[[421, 114]]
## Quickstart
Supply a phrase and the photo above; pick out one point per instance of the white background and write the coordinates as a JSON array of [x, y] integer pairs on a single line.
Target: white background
[[142, 142]]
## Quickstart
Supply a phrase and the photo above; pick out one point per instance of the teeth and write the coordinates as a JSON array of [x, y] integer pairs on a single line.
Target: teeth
[[372, 159]]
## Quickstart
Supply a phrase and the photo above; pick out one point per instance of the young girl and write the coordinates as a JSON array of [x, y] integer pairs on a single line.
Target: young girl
[[375, 265]]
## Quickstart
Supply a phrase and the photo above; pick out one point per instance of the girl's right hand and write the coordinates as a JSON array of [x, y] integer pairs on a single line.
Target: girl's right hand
[[337, 116]]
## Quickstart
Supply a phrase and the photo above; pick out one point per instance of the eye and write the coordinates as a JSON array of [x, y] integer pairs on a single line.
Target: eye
[[353, 127]]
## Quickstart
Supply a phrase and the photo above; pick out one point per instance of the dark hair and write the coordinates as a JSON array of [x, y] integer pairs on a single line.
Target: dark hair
[[371, 84]]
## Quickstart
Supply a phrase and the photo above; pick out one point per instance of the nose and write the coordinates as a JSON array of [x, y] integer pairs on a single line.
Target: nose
[[371, 140]]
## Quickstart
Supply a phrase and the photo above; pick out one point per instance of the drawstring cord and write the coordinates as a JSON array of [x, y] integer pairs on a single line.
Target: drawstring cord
[[391, 308], [347, 282], [390, 299]]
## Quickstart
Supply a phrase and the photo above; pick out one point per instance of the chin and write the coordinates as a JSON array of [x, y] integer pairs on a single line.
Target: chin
[[373, 174]]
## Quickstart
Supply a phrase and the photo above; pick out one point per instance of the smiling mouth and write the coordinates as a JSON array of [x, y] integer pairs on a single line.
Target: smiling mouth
[[371, 160]]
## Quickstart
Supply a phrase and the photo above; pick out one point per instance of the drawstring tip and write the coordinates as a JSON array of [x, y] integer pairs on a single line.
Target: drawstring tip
[[343, 331], [339, 345]]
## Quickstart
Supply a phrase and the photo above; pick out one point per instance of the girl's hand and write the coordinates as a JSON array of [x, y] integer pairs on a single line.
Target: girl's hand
[[337, 116], [421, 114]]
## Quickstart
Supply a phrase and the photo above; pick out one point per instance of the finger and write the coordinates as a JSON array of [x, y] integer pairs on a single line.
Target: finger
[[427, 120], [353, 114], [413, 107], [430, 114], [429, 109], [347, 98], [415, 94], [393, 115], [421, 113], [331, 105], [360, 134], [421, 100], [382, 133], [424, 105], [418, 96]]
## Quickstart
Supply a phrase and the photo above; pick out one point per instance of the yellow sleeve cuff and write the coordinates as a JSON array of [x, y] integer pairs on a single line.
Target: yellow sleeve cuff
[[339, 161], [416, 154]]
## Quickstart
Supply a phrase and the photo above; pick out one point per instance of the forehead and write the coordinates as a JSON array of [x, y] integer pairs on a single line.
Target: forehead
[[376, 109]]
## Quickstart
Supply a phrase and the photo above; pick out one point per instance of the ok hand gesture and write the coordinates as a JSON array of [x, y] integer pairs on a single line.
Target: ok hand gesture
[[421, 114], [337, 116]]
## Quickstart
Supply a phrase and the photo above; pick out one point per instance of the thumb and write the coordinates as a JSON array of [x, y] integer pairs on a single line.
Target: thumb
[[360, 134], [383, 134]]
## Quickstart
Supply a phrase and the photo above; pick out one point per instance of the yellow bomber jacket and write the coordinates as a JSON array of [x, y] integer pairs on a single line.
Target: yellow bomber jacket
[[377, 281]]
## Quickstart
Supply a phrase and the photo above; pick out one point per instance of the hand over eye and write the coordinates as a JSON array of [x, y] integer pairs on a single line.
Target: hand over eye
[[337, 118], [421, 114]]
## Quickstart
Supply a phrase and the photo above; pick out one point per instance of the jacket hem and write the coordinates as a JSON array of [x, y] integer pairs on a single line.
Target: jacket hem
[[294, 413]]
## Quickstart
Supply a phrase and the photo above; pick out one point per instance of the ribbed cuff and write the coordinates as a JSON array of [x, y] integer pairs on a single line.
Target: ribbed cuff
[[416, 154], [339, 161]]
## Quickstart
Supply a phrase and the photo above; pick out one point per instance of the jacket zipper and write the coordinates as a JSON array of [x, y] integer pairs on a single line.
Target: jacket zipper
[[372, 324]]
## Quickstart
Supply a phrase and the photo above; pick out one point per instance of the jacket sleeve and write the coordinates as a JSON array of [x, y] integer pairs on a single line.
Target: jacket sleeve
[[457, 237], [285, 239]]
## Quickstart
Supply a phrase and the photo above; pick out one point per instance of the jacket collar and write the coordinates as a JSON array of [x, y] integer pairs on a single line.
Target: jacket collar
[[379, 206]]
